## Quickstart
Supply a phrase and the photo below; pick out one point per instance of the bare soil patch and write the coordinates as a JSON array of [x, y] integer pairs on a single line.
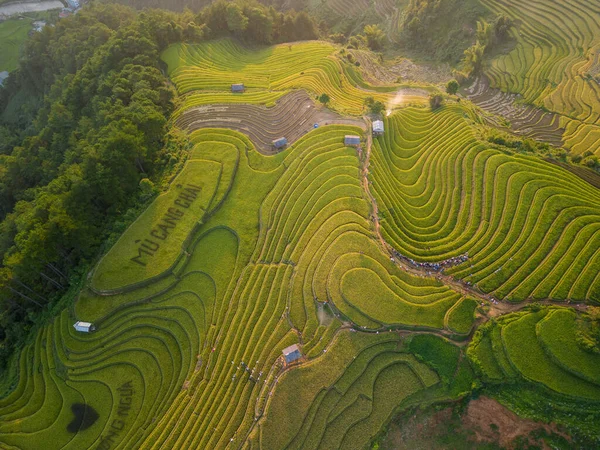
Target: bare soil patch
[[482, 424], [525, 120], [492, 422]]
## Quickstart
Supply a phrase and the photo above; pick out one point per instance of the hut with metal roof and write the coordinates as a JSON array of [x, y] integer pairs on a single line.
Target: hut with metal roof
[[377, 127], [84, 327], [239, 87], [352, 140], [280, 143], [292, 354]]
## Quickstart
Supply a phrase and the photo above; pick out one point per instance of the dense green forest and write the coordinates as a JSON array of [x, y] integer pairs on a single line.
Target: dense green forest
[[84, 143]]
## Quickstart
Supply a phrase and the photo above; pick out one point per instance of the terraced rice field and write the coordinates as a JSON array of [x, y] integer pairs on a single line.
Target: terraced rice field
[[336, 400], [541, 347], [553, 63], [214, 66], [265, 251], [353, 9], [293, 115], [152, 246], [525, 120], [249, 285], [530, 229]]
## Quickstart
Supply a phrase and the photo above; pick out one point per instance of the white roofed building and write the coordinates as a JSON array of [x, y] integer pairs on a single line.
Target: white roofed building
[[377, 127], [84, 327]]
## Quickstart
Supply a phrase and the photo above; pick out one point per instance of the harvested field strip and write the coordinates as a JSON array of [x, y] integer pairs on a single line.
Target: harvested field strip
[[348, 8], [584, 173], [293, 115], [214, 66], [203, 98], [530, 229], [527, 121]]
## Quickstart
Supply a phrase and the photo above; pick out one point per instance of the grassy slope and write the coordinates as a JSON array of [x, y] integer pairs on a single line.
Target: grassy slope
[[13, 34], [117, 270]]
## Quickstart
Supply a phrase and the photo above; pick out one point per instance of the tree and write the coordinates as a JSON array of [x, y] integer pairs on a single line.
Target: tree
[[435, 101], [369, 101], [473, 58], [375, 36], [236, 20], [305, 27], [452, 87], [502, 26], [485, 33], [324, 98], [376, 107], [260, 26], [338, 38], [355, 42]]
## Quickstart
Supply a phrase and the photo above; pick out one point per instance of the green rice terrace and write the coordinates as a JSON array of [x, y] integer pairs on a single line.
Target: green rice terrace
[[555, 64], [302, 297]]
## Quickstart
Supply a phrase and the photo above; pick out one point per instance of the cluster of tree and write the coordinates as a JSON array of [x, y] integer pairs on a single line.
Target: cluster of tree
[[439, 29], [102, 108], [256, 23], [374, 107], [487, 37], [420, 15], [587, 159], [436, 101], [372, 37]]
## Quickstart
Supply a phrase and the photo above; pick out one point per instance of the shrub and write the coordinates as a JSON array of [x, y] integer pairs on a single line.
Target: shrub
[[374, 36], [376, 107], [324, 98], [436, 101], [452, 87]]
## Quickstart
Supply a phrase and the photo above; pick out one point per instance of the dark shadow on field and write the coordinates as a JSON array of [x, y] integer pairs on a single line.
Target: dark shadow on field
[[84, 417]]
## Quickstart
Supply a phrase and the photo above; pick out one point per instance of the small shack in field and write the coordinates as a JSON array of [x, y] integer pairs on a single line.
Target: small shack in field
[[237, 87], [352, 140], [378, 128], [292, 354], [3, 76], [280, 143], [84, 327]]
